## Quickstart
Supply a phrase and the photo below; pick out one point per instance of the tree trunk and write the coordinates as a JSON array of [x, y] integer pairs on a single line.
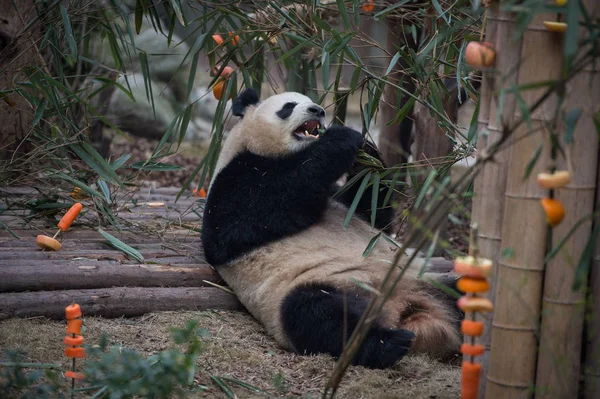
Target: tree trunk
[[16, 51], [116, 302], [395, 139]]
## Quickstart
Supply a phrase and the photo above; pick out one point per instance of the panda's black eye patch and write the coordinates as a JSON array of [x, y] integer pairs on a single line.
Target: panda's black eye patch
[[286, 110]]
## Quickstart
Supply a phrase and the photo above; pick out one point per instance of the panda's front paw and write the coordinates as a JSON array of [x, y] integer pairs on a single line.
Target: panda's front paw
[[344, 135]]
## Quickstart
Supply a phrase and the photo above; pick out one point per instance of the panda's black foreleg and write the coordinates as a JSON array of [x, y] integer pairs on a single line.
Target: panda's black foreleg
[[314, 322]]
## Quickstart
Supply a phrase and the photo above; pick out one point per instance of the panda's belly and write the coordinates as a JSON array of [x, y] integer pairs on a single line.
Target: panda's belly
[[324, 253]]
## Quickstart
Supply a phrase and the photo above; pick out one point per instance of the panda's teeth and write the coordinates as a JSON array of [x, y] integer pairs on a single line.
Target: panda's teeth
[[306, 133]]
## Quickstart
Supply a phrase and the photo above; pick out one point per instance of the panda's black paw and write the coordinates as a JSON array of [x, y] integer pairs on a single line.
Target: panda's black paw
[[344, 135], [384, 347]]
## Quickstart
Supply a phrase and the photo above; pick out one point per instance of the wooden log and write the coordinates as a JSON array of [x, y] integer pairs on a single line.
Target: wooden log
[[490, 184], [87, 275], [512, 364], [115, 302]]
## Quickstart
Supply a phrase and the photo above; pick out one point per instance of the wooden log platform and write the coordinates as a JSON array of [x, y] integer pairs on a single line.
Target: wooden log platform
[[105, 281]]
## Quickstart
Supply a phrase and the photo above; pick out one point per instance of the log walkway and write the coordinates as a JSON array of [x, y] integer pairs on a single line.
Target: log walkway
[[102, 279]]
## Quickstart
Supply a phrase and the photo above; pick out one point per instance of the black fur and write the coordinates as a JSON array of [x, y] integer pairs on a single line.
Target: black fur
[[286, 110], [245, 99], [313, 319], [255, 200]]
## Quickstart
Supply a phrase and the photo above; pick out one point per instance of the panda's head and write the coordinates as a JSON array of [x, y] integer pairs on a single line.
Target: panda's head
[[280, 125]]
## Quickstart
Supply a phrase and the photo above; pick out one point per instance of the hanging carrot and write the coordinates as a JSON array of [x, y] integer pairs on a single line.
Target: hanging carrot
[[471, 328], [65, 222], [74, 327], [472, 350], [73, 349], [74, 375], [471, 284], [470, 380]]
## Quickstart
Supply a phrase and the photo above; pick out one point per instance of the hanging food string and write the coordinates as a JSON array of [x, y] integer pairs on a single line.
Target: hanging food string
[[73, 342], [474, 271]]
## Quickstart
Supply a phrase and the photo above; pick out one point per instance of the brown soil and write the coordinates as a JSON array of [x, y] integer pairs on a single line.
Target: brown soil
[[238, 347]]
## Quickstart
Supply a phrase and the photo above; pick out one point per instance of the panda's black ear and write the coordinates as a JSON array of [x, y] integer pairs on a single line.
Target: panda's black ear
[[246, 98]]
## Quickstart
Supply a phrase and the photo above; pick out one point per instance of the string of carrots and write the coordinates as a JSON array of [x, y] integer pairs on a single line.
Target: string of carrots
[[46, 242], [73, 341], [474, 271]]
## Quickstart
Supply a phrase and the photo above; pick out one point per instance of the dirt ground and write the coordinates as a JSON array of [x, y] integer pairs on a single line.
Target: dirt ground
[[238, 347]]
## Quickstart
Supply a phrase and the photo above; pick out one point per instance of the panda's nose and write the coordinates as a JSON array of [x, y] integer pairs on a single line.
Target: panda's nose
[[315, 109]]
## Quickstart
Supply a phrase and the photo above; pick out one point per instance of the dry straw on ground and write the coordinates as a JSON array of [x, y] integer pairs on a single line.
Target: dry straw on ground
[[238, 347]]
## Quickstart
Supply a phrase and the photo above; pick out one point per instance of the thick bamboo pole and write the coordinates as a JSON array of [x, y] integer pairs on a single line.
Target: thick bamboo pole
[[559, 355], [591, 371], [520, 268], [490, 184]]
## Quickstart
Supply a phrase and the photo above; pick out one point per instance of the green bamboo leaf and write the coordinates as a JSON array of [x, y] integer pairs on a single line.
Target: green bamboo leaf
[[571, 122], [350, 183], [374, 198], [343, 13], [393, 63], [85, 157], [472, 134], [585, 261], [371, 245], [564, 240], [246, 385], [39, 112], [139, 15], [533, 161], [102, 163], [391, 188], [176, 4], [185, 121], [389, 9], [438, 8], [120, 162], [66, 20], [75, 182], [147, 79], [224, 387], [121, 246], [571, 43], [155, 166], [425, 187], [325, 68], [104, 188], [359, 193], [438, 191]]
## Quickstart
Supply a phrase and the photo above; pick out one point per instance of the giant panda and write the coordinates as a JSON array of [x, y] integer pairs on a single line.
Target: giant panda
[[274, 234]]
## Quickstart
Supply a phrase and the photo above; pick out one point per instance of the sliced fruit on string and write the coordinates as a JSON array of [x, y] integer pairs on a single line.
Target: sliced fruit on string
[[474, 304], [46, 242], [473, 266], [555, 211], [558, 179]]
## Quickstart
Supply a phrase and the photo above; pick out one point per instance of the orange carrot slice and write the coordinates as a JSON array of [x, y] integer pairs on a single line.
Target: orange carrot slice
[[475, 304], [471, 284], [74, 375], [74, 341], [46, 242], [71, 214], [471, 328], [77, 353], [469, 380], [472, 350], [72, 311], [74, 326]]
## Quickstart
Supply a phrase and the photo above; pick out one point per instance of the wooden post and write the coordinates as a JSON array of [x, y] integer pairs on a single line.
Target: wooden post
[[512, 363], [559, 355], [490, 184]]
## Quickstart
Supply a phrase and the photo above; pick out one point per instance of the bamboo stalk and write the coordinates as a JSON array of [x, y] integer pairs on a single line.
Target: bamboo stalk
[[591, 371], [490, 184], [520, 269], [559, 356]]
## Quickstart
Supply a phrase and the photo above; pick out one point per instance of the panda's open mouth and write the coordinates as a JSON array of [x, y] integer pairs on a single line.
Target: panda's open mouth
[[309, 130]]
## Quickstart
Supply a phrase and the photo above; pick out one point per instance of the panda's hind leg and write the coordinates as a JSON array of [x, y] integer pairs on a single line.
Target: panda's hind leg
[[313, 321]]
